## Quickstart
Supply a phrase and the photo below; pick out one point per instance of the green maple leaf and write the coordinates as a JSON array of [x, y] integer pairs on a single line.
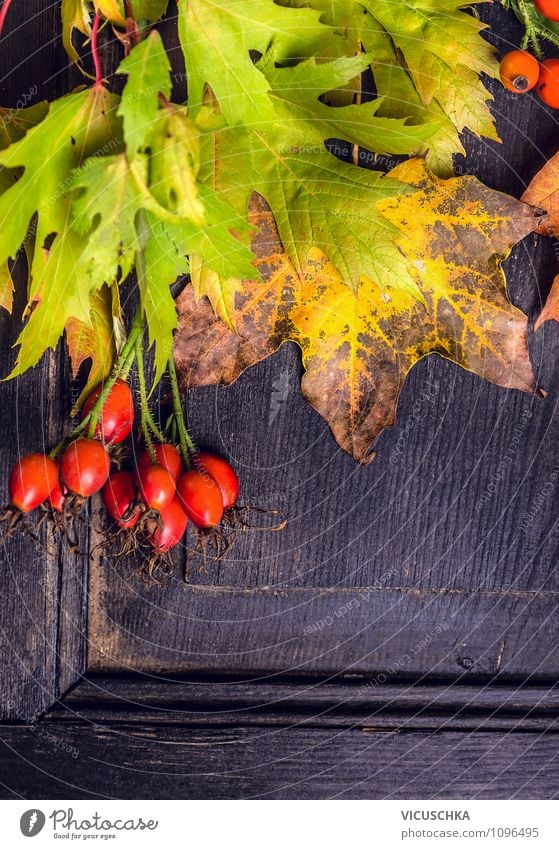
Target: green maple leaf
[[218, 37], [317, 200], [13, 126], [107, 219], [76, 126], [175, 164], [148, 70], [149, 11], [125, 227], [115, 243], [428, 58], [153, 211], [75, 15], [165, 261], [440, 49]]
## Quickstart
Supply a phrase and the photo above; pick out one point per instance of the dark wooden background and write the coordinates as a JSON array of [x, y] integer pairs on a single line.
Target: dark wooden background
[[399, 639]]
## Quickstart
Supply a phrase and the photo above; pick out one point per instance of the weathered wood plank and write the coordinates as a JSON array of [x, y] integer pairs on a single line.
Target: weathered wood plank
[[352, 702], [43, 616], [131, 761], [267, 630]]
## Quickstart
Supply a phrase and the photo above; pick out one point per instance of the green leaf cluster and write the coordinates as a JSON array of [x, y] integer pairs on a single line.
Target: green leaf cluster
[[97, 187], [428, 63], [107, 186]]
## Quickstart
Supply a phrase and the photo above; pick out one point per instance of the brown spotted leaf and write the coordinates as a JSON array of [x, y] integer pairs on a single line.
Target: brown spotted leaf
[[359, 344], [550, 311], [543, 192]]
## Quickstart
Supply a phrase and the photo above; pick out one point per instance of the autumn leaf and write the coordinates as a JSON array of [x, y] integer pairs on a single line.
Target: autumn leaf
[[153, 211], [359, 345], [274, 142], [76, 126], [428, 60], [93, 339], [550, 311], [217, 38], [543, 192], [75, 15], [113, 10], [317, 200], [14, 123]]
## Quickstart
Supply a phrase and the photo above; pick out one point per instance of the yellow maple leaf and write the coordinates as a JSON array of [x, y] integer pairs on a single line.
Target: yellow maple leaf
[[359, 345], [113, 10], [75, 15]]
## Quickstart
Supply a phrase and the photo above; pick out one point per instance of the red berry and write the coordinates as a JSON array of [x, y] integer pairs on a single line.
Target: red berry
[[173, 521], [201, 498], [222, 473], [56, 498], [548, 85], [85, 466], [119, 497], [32, 480], [519, 71], [117, 416], [157, 487], [548, 8], [167, 456]]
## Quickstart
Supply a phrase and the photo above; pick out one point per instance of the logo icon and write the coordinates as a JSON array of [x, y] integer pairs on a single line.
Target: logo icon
[[32, 822]]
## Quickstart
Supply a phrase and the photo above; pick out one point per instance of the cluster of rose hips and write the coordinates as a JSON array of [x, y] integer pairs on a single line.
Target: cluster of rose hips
[[159, 495], [521, 72]]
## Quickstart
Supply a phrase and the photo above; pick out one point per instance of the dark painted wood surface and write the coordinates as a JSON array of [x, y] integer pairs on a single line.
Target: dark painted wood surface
[[348, 702], [75, 761], [452, 526], [436, 564]]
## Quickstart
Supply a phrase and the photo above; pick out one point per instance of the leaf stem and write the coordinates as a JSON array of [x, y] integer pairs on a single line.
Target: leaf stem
[[3, 13], [186, 443], [95, 50]]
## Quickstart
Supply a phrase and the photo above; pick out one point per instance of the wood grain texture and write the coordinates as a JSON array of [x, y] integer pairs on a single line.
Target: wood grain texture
[[43, 613], [74, 760], [348, 702], [453, 527], [267, 630]]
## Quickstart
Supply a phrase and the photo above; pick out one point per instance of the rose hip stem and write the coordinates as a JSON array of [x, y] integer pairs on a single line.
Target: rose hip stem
[[186, 443], [123, 362], [147, 422]]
